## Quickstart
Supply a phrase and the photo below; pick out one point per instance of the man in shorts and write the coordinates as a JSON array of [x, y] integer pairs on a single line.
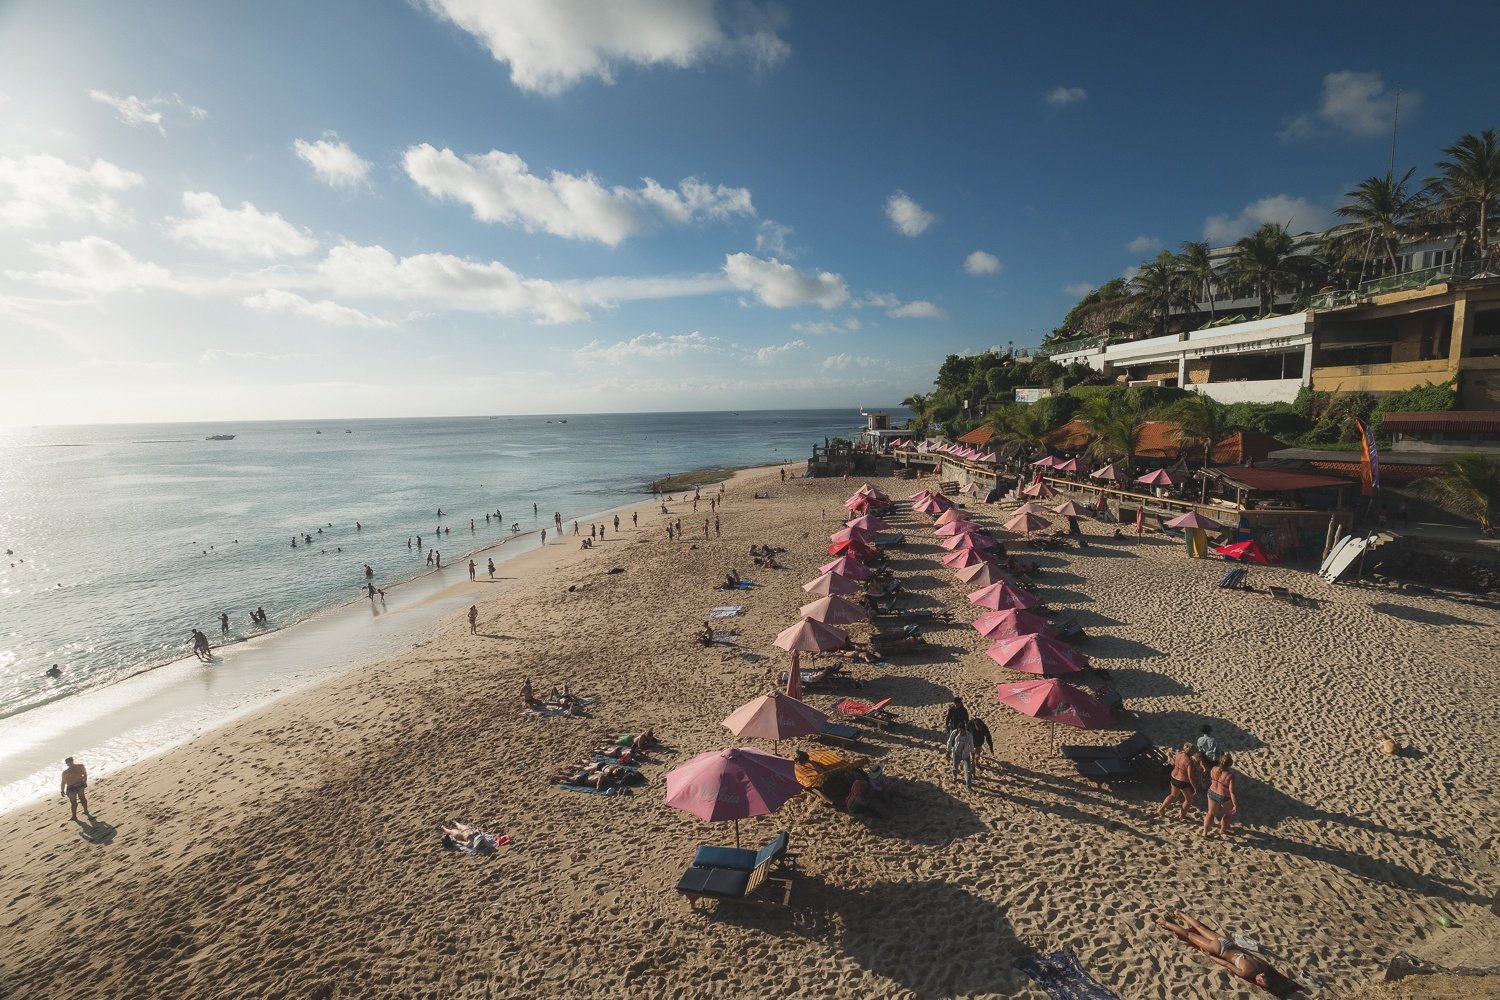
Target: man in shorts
[[75, 782]]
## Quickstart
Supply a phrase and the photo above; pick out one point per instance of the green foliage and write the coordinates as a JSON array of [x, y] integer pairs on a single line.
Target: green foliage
[[1086, 394], [1425, 398], [1468, 485], [1057, 410], [1281, 421], [1146, 400]]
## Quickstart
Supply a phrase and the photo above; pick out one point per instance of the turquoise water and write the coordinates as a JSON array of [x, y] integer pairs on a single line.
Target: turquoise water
[[124, 538]]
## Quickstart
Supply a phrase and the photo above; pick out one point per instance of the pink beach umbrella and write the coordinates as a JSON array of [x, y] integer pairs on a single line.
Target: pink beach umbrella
[[1070, 509], [834, 610], [1030, 507], [956, 528], [852, 535], [1193, 519], [928, 505], [732, 784], [1003, 595], [920, 495], [1027, 523], [1161, 477], [1053, 701], [775, 717], [1110, 474], [844, 566], [1039, 489], [859, 503], [952, 514], [831, 583], [1010, 622], [971, 488], [983, 575], [1037, 653], [1071, 465], [972, 540], [867, 522], [1045, 462], [961, 558]]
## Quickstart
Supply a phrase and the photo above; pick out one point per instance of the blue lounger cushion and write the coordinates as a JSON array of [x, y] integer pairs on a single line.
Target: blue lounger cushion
[[716, 883], [1109, 769], [839, 731], [740, 859]]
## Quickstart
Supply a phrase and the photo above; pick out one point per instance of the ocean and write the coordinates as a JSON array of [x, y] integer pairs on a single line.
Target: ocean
[[121, 539]]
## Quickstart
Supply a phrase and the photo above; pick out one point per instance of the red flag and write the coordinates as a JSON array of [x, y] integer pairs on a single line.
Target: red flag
[[1369, 470]]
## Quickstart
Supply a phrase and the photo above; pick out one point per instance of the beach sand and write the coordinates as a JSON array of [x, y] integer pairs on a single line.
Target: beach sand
[[293, 853]]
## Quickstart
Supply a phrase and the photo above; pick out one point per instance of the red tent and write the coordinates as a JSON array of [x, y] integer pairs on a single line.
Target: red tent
[[1246, 551]]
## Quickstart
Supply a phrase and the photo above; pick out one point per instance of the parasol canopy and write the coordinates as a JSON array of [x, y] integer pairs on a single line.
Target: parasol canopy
[[867, 522], [1037, 653], [1246, 551], [1070, 509], [1110, 473], [1010, 622], [959, 558], [1046, 462], [834, 610], [1039, 489], [1161, 477], [1193, 519], [1027, 523], [811, 637], [732, 784], [831, 583], [956, 528], [972, 540], [1003, 595], [950, 515], [1053, 701], [844, 566], [775, 717], [983, 574]]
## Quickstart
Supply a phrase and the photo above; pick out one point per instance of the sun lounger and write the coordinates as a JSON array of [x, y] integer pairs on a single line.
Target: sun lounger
[[729, 885], [740, 859], [591, 790], [877, 714], [1127, 749], [834, 732], [726, 610], [890, 541]]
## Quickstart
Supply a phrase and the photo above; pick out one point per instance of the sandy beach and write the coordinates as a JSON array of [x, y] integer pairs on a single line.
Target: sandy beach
[[294, 853]]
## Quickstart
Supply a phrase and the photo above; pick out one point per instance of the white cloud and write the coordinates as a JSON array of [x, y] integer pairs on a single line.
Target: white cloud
[[136, 112], [980, 263], [214, 355], [648, 345], [36, 189], [919, 309], [780, 285], [1144, 244], [1353, 102], [443, 281], [771, 240], [1297, 214], [237, 232], [1130, 272], [95, 265], [1062, 96], [551, 45], [909, 218], [1078, 289], [840, 362], [609, 291], [766, 355], [499, 187], [274, 300], [850, 325], [335, 163], [877, 300]]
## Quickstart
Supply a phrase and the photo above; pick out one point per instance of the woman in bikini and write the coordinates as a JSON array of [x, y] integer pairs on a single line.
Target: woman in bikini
[[1183, 780], [1221, 799], [1224, 953]]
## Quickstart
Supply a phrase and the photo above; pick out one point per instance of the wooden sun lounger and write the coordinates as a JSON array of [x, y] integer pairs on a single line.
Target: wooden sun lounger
[[833, 732], [755, 886], [877, 715]]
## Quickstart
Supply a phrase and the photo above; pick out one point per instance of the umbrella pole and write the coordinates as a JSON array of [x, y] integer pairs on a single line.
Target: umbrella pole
[[736, 833]]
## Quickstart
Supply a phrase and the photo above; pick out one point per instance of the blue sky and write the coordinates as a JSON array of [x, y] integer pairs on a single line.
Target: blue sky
[[273, 210]]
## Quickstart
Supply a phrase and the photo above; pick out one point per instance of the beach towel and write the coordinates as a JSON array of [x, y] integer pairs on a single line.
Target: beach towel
[[1062, 978], [557, 711], [726, 610], [485, 844], [744, 585], [725, 639], [591, 790]]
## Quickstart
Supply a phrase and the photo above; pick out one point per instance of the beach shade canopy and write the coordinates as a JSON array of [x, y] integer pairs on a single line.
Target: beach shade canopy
[[1030, 507], [871, 491], [1027, 523], [920, 495], [852, 547], [972, 540], [831, 583], [852, 535], [844, 566], [1071, 465], [834, 610], [732, 784], [1109, 474], [1070, 509], [972, 488], [956, 528], [1246, 551], [1053, 701], [1039, 489], [859, 503], [775, 717], [983, 574], [950, 515], [1161, 477], [867, 522], [811, 637], [1037, 653], [1004, 595], [1046, 462], [1193, 519], [1010, 622], [927, 505], [959, 558]]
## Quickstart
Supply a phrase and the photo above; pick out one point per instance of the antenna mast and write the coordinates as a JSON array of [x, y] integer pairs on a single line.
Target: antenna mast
[[1395, 119]]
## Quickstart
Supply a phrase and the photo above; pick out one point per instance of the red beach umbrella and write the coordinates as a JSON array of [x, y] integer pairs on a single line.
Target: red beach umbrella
[[1053, 701], [1036, 653], [1031, 507], [960, 558], [1246, 551], [867, 522], [834, 610], [775, 717], [1110, 473], [1010, 622], [950, 515], [972, 540], [844, 566], [983, 575], [1027, 523], [831, 583], [1161, 477], [852, 535], [811, 637], [1003, 595], [732, 785], [1070, 509], [1193, 519], [1039, 489], [1046, 462], [852, 547], [956, 528]]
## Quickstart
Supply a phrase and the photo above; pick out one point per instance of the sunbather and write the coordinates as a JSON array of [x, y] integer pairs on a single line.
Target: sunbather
[[1226, 954], [463, 837]]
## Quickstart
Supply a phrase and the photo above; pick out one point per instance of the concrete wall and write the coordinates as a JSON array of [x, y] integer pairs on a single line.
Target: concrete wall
[[1396, 377], [1278, 390]]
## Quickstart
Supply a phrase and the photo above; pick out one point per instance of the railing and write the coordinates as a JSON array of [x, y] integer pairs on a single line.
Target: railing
[[1412, 280], [1070, 346]]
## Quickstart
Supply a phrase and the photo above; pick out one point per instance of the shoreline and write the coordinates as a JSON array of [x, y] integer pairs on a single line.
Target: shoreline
[[128, 703]]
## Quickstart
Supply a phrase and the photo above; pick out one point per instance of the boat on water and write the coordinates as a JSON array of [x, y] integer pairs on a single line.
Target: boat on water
[[219, 437]]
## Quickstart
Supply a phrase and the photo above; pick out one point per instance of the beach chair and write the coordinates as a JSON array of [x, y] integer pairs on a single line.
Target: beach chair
[[1128, 749], [740, 859], [837, 733], [877, 714], [755, 887]]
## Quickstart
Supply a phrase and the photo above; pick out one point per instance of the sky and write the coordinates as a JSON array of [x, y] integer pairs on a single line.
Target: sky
[[276, 210]]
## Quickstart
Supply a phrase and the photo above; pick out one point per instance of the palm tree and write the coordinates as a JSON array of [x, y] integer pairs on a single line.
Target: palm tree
[[1382, 208], [1467, 186], [1114, 431], [1019, 423], [918, 404], [1201, 425], [1268, 261], [1197, 268], [1160, 284], [1468, 485]]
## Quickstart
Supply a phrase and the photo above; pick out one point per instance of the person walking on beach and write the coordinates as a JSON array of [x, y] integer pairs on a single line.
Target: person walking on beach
[[1222, 802], [617, 524], [633, 522], [370, 592], [472, 567], [75, 783], [437, 558], [201, 647], [591, 531], [957, 717], [669, 532], [575, 528], [544, 536], [980, 734], [1183, 782], [223, 622], [716, 526], [429, 557], [961, 751], [1208, 746], [473, 618], [492, 568]]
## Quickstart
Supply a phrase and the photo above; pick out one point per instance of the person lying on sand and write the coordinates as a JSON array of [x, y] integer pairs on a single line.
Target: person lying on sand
[[597, 774], [1224, 953], [459, 836], [640, 743]]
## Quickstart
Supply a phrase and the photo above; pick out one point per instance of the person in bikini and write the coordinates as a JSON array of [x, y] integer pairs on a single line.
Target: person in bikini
[[1183, 780], [1221, 798], [75, 782], [1224, 953]]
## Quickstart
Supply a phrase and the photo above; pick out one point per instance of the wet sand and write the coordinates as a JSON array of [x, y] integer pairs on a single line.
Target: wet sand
[[293, 852]]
